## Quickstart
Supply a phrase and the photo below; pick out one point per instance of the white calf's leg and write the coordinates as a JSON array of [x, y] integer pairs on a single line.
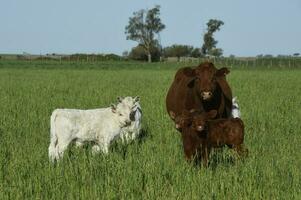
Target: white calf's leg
[[105, 148], [79, 144], [122, 136], [62, 146], [95, 149]]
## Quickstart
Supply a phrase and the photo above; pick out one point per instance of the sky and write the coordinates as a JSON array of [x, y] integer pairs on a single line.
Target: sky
[[98, 26]]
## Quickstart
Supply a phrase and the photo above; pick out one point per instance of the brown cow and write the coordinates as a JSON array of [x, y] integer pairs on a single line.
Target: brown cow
[[202, 88], [200, 134]]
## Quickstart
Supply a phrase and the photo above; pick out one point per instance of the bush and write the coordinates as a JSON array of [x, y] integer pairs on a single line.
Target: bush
[[138, 53]]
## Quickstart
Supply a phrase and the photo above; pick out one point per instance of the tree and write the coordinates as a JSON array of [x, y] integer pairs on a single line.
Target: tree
[[196, 53], [139, 53], [296, 54], [177, 50], [232, 56], [143, 27], [125, 54], [210, 43], [216, 52]]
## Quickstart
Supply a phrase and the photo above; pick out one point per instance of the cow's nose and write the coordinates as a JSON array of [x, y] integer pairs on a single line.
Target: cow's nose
[[128, 122], [206, 95]]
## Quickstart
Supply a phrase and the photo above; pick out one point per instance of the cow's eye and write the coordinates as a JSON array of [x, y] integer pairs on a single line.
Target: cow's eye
[[120, 114]]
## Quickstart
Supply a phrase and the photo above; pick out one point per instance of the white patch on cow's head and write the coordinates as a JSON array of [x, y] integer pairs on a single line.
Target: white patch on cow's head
[[200, 128], [206, 95]]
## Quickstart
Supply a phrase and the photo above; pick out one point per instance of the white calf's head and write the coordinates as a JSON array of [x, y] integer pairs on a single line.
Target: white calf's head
[[122, 113], [132, 103]]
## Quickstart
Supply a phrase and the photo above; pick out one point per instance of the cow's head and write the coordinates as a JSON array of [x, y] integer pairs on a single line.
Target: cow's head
[[200, 120], [205, 79]]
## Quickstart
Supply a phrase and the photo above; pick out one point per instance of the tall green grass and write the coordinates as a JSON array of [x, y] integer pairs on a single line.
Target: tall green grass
[[152, 167]]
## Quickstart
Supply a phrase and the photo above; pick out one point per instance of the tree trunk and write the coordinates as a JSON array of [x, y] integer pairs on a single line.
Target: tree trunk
[[149, 57]]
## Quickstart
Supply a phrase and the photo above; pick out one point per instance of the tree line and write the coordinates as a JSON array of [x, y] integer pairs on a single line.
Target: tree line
[[145, 26]]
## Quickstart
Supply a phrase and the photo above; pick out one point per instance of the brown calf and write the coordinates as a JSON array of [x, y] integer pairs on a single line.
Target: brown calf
[[191, 138], [220, 132], [200, 134]]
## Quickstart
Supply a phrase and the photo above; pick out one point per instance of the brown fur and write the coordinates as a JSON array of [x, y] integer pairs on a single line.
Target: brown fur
[[220, 132], [188, 85], [200, 134]]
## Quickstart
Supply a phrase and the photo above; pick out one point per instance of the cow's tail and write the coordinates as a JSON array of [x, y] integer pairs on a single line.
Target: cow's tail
[[52, 150]]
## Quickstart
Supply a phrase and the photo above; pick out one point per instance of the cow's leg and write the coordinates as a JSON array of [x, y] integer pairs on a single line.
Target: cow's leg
[[135, 133], [95, 149], [104, 145], [62, 146], [241, 150], [105, 148], [79, 144], [205, 154]]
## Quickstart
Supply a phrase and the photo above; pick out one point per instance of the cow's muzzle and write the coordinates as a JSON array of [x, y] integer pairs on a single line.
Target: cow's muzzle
[[206, 95]]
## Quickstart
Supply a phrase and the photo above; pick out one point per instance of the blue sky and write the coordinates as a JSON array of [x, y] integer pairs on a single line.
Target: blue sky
[[97, 26]]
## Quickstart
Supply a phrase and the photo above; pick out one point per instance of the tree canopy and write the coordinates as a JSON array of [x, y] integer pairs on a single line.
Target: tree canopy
[[209, 45], [143, 28]]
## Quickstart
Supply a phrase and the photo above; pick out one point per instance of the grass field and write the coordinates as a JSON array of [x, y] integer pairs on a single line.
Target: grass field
[[152, 167]]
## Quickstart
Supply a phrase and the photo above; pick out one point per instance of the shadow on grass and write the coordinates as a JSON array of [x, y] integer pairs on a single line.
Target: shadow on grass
[[219, 158], [226, 158], [122, 148]]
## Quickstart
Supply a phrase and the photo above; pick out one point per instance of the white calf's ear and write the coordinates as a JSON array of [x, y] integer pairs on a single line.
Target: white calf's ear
[[137, 98], [119, 99], [113, 108]]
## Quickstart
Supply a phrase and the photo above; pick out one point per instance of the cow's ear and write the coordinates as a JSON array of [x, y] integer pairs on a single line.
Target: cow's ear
[[119, 99], [191, 82], [211, 114], [113, 108], [222, 71], [172, 114], [137, 98]]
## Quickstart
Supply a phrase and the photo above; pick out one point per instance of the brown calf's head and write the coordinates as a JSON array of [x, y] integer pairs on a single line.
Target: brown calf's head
[[206, 79], [183, 120], [199, 121]]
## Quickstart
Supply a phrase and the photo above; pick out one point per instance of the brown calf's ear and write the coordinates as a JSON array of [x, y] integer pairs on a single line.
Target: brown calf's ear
[[222, 71], [137, 98], [113, 108], [211, 114], [172, 114]]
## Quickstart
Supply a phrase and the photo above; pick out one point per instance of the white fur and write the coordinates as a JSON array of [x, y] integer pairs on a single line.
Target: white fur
[[98, 125], [131, 132], [235, 109]]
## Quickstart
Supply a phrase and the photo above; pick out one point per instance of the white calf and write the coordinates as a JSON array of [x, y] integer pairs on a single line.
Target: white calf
[[131, 132], [235, 108], [98, 125]]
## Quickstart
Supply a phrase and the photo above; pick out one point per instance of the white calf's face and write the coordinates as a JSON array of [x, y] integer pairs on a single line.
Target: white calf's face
[[123, 113], [132, 103]]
